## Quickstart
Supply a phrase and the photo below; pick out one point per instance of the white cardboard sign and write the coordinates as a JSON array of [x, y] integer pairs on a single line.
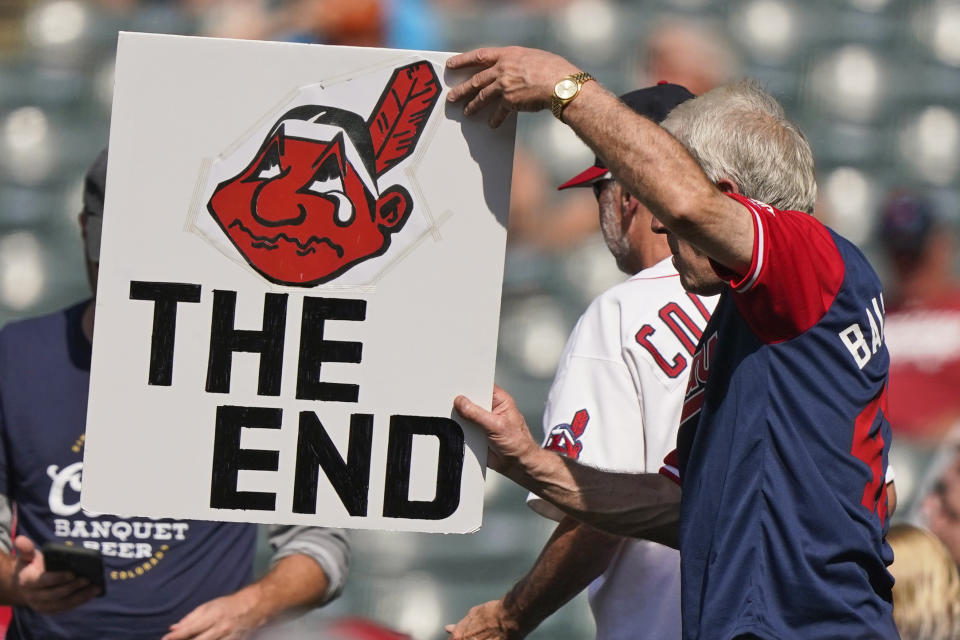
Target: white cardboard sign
[[301, 268]]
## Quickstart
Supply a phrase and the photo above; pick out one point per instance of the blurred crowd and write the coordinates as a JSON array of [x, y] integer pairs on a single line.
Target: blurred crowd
[[888, 152]]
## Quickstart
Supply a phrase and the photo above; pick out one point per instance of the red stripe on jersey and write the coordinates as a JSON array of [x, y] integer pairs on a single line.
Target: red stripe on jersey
[[794, 276], [670, 473], [692, 406], [672, 275], [670, 466], [756, 261]]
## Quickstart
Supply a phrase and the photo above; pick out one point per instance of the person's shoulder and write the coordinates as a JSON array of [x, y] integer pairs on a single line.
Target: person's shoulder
[[661, 274], [627, 294], [41, 326], [659, 281], [766, 210], [640, 293], [800, 221], [857, 265]]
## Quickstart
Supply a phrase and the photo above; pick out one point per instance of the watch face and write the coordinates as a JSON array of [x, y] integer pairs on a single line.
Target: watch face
[[566, 89]]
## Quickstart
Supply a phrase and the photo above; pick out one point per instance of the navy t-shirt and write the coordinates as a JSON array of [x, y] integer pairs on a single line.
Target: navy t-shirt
[[783, 443], [157, 571]]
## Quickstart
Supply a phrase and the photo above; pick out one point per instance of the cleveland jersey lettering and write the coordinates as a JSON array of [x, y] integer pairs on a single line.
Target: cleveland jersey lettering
[[682, 327]]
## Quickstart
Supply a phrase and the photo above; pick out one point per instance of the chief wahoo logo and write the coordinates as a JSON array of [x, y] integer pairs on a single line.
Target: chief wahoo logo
[[565, 438], [308, 206]]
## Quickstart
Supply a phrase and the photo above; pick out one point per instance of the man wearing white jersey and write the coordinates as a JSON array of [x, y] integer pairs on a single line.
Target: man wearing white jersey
[[614, 404]]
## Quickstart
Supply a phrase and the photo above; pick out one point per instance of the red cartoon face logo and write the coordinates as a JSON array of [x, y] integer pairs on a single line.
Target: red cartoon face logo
[[565, 438], [308, 207]]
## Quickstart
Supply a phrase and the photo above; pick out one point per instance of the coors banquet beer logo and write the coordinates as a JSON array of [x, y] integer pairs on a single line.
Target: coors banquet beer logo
[[132, 546], [311, 202]]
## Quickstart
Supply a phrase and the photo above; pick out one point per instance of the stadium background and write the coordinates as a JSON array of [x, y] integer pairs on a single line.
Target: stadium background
[[873, 83]]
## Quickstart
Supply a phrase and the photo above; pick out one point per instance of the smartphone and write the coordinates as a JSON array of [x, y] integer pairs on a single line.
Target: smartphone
[[85, 563]]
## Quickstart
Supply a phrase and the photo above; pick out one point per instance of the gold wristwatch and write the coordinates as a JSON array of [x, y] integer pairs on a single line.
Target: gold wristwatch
[[566, 90]]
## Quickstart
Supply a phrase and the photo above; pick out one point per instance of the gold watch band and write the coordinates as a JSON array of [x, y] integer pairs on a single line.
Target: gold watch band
[[557, 103]]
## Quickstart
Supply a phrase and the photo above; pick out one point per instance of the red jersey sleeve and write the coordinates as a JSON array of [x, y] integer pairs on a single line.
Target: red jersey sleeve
[[794, 276]]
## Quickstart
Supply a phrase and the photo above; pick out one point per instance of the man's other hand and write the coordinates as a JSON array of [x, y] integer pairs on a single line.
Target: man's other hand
[[487, 621], [47, 591], [512, 78], [231, 617], [507, 433]]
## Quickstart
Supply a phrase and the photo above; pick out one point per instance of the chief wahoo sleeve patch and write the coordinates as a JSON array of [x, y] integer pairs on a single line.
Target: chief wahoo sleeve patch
[[311, 201], [565, 438]]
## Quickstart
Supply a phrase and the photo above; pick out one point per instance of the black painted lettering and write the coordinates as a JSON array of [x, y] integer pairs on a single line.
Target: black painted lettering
[[396, 500], [314, 350], [229, 458], [165, 296], [315, 451], [225, 340]]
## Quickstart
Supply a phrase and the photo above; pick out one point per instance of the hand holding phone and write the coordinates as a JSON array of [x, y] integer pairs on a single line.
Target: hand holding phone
[[47, 591], [85, 563]]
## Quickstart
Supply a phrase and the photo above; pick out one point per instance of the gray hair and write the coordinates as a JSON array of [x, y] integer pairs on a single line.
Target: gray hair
[[739, 132]]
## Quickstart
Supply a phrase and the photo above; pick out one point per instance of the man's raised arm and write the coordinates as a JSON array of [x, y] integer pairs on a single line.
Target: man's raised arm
[[641, 155]]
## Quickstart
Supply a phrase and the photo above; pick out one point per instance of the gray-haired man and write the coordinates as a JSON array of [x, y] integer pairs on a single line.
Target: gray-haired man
[[782, 446]]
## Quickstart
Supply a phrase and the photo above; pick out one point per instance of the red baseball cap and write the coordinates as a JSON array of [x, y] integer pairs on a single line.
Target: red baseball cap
[[654, 102]]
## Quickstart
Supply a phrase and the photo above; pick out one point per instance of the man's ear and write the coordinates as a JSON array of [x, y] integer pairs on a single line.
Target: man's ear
[[727, 185], [393, 208], [628, 208]]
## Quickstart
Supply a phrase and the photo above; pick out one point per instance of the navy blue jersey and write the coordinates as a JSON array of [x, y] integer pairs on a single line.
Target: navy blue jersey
[[157, 570], [782, 448]]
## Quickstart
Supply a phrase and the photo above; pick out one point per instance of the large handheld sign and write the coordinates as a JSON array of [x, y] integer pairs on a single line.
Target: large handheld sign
[[301, 268]]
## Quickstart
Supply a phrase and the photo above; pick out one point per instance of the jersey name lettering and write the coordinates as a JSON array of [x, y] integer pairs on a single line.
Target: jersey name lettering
[[686, 330], [854, 337]]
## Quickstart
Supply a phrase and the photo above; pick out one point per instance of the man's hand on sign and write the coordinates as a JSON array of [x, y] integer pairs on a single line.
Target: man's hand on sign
[[231, 617], [507, 434], [514, 78], [47, 591]]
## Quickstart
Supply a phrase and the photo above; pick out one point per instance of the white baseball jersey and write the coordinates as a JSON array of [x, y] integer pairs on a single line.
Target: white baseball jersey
[[615, 404]]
